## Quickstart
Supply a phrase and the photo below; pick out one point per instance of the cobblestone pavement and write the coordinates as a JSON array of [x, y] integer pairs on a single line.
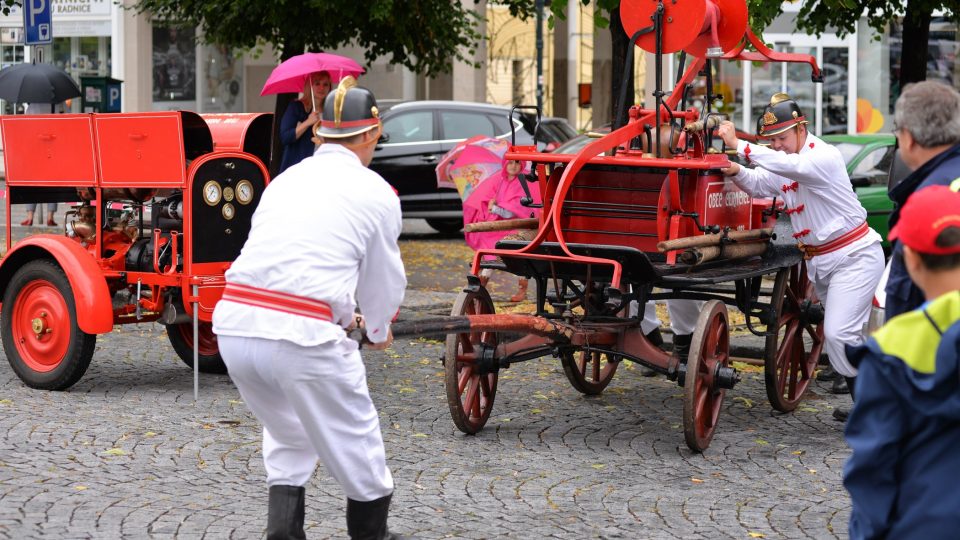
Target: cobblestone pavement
[[126, 453]]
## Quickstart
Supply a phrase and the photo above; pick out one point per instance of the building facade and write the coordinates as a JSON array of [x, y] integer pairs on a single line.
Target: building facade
[[164, 66]]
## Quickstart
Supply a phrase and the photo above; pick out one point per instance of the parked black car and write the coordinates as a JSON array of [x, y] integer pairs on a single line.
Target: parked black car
[[417, 134]]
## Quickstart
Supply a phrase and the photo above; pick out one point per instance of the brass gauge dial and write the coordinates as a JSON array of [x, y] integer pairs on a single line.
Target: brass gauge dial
[[228, 211], [212, 193], [228, 193], [244, 192]]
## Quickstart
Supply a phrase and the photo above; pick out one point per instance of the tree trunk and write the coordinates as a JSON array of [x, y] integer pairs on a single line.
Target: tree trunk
[[621, 48], [915, 45], [290, 49]]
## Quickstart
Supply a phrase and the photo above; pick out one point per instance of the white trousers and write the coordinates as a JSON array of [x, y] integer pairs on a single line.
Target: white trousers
[[683, 316], [846, 292], [314, 404]]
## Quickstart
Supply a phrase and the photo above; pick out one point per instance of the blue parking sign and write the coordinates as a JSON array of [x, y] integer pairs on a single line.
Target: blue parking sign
[[36, 22]]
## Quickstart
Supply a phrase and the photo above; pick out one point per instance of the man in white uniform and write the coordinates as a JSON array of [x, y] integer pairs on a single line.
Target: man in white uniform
[[844, 257], [324, 229]]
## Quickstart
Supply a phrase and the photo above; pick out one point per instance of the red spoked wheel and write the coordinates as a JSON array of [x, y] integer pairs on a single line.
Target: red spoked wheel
[[43, 342], [471, 385], [703, 394], [588, 371], [792, 352], [181, 338]]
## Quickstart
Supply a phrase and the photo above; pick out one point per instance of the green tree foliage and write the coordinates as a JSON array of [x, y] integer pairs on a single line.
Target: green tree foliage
[[424, 35]]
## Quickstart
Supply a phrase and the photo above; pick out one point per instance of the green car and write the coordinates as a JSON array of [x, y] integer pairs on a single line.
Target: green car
[[869, 159]]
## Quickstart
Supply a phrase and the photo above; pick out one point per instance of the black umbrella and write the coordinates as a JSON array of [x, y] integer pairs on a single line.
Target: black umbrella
[[36, 83]]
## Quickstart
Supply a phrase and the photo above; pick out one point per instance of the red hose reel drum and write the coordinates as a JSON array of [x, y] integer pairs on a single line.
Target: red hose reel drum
[[690, 25]]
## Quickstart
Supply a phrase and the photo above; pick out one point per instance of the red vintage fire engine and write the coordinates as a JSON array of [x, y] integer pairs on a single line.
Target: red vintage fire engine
[[160, 205], [642, 214]]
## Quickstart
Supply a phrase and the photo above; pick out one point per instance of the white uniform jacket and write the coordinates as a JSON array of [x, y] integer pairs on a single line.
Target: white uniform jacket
[[815, 189], [324, 229]]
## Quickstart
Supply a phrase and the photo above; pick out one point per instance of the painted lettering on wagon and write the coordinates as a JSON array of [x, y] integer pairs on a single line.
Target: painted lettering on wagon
[[729, 199]]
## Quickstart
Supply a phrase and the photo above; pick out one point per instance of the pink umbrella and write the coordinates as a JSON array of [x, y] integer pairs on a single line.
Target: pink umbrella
[[471, 162], [290, 76]]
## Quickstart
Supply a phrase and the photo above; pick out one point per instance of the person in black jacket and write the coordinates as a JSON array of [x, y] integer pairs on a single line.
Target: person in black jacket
[[926, 122]]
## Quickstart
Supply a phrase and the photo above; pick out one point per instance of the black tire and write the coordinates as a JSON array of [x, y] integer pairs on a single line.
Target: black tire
[[446, 225], [58, 356], [181, 338]]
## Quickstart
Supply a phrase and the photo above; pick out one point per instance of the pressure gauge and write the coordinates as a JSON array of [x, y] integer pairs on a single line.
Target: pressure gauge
[[212, 193], [228, 193], [244, 192], [228, 211]]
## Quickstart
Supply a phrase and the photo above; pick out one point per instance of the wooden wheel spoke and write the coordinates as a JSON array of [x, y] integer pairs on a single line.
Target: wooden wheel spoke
[[596, 366], [485, 386], [471, 400], [463, 377]]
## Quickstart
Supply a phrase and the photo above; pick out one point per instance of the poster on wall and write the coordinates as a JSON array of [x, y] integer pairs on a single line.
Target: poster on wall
[[174, 63]]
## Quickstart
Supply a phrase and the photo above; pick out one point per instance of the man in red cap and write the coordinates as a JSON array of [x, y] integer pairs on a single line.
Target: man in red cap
[[843, 255], [904, 429]]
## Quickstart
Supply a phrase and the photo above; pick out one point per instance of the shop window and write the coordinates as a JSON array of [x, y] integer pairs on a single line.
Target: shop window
[[943, 46], [222, 72], [835, 80], [11, 52]]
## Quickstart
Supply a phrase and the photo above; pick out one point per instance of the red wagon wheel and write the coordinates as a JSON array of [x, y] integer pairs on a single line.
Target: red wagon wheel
[[703, 396], [588, 371], [792, 353], [471, 387], [181, 338], [44, 344]]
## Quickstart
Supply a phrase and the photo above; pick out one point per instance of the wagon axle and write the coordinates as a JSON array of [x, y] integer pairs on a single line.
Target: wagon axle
[[724, 378]]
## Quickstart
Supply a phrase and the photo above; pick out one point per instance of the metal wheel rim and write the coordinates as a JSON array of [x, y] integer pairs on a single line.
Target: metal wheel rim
[[206, 339], [41, 301]]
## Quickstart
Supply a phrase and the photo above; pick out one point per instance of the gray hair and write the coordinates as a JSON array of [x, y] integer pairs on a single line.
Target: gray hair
[[930, 111]]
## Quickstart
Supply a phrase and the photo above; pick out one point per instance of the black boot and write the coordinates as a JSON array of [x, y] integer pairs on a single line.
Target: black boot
[[367, 520], [681, 346], [842, 414], [826, 374], [656, 338], [839, 385], [285, 513]]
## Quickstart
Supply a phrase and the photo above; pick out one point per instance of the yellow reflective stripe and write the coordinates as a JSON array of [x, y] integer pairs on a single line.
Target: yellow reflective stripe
[[911, 338]]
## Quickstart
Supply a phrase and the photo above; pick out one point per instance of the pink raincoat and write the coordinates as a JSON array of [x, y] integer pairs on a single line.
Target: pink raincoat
[[507, 193]]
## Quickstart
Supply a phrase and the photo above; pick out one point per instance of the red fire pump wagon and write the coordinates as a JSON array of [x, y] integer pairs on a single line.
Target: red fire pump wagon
[[627, 220], [159, 206]]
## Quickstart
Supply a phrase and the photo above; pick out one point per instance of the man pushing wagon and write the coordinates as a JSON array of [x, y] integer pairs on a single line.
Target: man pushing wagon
[[843, 255]]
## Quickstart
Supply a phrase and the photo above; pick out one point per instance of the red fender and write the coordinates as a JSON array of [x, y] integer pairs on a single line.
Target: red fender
[[90, 292]]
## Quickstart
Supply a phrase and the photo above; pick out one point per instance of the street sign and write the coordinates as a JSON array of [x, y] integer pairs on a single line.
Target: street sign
[[37, 23]]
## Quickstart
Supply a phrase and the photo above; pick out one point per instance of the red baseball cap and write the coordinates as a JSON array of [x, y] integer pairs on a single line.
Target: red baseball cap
[[926, 214]]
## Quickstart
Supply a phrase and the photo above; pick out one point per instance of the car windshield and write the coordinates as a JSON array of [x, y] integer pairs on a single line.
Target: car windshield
[[848, 150], [573, 146]]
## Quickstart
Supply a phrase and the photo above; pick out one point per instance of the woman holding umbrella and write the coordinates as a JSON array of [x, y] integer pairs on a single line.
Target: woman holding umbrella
[[301, 115]]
